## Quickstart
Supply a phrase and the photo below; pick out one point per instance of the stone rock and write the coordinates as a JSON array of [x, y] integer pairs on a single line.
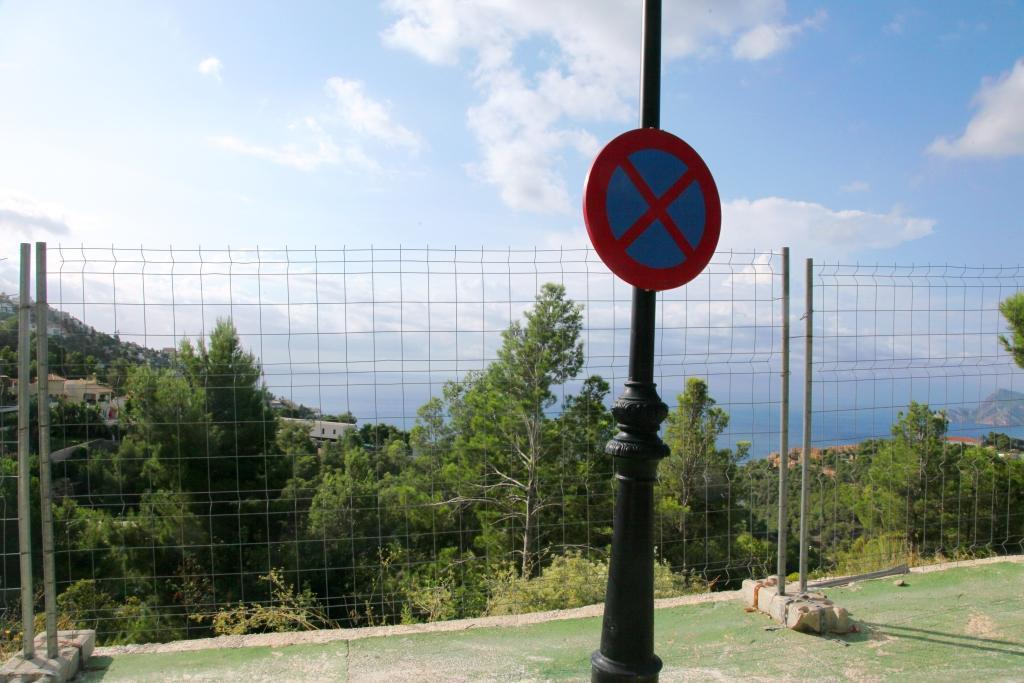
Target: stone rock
[[74, 649], [809, 612], [777, 607], [804, 616], [840, 621]]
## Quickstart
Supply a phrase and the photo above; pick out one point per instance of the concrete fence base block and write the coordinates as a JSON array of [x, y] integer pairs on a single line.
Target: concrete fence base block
[[804, 617], [74, 650], [777, 607], [810, 612]]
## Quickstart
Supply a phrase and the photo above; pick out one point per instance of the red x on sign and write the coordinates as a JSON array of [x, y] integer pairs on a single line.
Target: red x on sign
[[652, 209], [657, 208]]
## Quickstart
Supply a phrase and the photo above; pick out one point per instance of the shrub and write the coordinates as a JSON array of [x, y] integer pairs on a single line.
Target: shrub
[[85, 604], [133, 620], [868, 554], [570, 581], [288, 611]]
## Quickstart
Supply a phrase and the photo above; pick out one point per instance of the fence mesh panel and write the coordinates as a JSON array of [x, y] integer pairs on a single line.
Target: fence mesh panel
[[270, 439], [249, 440], [917, 416], [9, 578]]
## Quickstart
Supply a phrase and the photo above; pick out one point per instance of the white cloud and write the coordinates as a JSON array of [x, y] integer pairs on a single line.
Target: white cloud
[[997, 129], [897, 26], [320, 150], [431, 29], [355, 118], [10, 277], [856, 186], [366, 115], [771, 222], [768, 223], [285, 155], [25, 218], [211, 67], [529, 118], [519, 136], [766, 40]]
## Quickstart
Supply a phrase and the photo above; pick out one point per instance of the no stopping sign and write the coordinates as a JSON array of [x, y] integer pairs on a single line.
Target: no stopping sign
[[652, 209]]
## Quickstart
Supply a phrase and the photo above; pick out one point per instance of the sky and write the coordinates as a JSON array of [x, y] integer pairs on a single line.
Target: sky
[[849, 131], [862, 132]]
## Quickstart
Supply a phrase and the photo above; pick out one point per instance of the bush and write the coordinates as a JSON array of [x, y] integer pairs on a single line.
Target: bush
[[133, 620], [434, 603], [10, 633], [571, 581], [85, 604], [868, 554], [288, 611]]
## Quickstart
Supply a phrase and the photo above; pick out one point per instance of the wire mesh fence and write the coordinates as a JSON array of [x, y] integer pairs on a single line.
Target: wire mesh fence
[[263, 440], [249, 440], [917, 416], [9, 575]]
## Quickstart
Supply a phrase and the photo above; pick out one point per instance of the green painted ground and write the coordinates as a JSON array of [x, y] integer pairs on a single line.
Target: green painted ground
[[954, 625]]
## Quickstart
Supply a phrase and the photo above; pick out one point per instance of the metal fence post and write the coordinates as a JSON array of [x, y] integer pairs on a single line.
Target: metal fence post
[[24, 492], [784, 427], [805, 459], [45, 490]]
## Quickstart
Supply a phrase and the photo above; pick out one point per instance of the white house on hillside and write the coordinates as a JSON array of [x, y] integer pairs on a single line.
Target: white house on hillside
[[323, 430]]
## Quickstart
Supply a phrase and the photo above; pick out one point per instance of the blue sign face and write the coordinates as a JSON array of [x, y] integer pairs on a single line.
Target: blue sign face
[[650, 179], [652, 209]]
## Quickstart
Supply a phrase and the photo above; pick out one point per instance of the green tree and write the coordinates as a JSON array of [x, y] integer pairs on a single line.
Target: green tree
[[166, 425], [432, 435], [691, 433], [8, 362], [377, 436], [116, 374], [1012, 309], [579, 436], [293, 440], [1003, 442], [698, 482], [244, 475], [238, 455], [231, 378], [904, 479], [499, 419]]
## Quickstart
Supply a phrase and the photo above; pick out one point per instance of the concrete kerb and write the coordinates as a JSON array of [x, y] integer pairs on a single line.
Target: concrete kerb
[[329, 636], [74, 649], [926, 568], [333, 635]]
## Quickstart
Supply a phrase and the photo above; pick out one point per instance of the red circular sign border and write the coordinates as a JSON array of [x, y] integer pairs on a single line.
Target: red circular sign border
[[595, 216]]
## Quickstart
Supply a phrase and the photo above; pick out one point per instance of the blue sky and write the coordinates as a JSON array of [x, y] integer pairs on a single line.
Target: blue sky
[[854, 131]]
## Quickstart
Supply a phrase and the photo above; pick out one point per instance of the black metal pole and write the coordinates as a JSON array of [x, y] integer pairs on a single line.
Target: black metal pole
[[627, 634]]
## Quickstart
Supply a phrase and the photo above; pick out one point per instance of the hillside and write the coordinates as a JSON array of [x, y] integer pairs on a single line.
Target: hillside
[[76, 349], [79, 350], [1002, 408]]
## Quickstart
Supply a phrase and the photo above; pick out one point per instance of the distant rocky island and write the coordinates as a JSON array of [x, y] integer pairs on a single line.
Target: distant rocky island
[[1002, 408]]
